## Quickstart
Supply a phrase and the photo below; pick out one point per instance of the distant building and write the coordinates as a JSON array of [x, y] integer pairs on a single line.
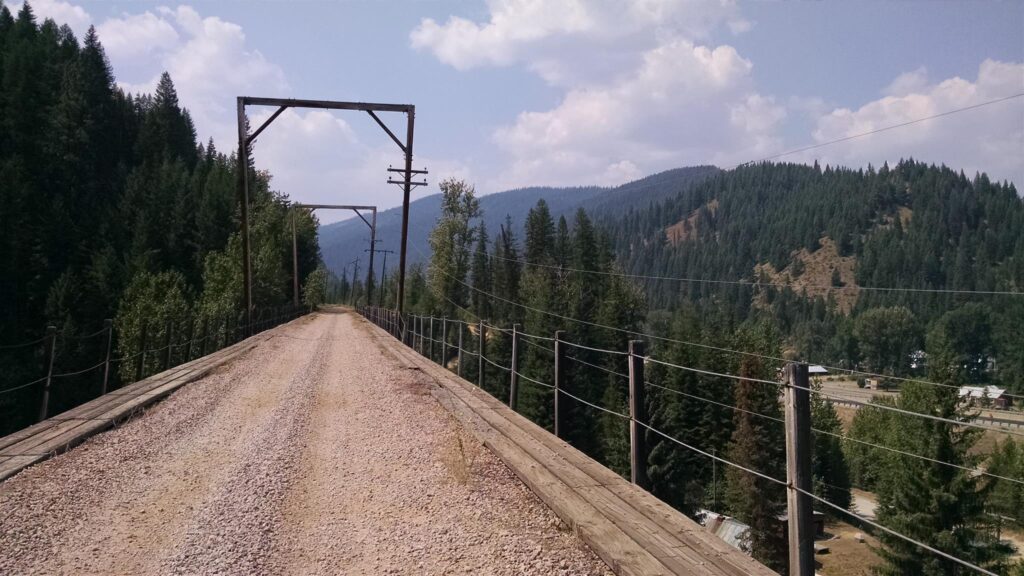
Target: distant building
[[985, 396], [729, 529], [816, 371]]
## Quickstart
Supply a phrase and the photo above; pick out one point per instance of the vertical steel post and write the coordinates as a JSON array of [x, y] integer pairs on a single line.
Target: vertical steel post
[[108, 325], [637, 414], [142, 351], [430, 346], [444, 341], [206, 335], [481, 349], [168, 341], [295, 263], [798, 471], [411, 115], [559, 380], [243, 189], [458, 365], [191, 339], [513, 385], [51, 348]]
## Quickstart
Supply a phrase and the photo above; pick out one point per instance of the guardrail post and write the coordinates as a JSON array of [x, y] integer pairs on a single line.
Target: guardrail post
[[51, 347], [559, 380], [513, 385], [108, 325], [444, 342], [458, 365], [481, 349], [637, 414], [206, 335], [168, 341], [140, 368], [430, 346], [798, 471]]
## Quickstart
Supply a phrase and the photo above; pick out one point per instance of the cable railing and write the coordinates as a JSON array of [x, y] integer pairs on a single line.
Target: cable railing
[[147, 358], [792, 387]]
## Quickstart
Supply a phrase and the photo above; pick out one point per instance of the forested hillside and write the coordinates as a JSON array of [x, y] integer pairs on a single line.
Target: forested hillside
[[714, 349], [111, 209], [344, 241], [839, 246]]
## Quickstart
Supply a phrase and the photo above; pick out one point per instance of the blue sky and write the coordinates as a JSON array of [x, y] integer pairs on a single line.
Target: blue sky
[[518, 92]]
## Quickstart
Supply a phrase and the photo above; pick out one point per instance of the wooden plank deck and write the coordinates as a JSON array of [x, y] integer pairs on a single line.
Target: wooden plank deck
[[631, 530], [63, 431]]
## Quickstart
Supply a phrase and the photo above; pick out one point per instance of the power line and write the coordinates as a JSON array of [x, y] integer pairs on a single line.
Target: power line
[[701, 345], [882, 129], [756, 284]]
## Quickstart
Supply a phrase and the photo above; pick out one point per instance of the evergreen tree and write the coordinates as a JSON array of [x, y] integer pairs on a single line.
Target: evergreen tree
[[758, 444]]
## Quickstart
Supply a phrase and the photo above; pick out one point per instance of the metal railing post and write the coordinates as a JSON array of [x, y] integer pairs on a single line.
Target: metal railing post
[[430, 346], [168, 341], [108, 325], [140, 368], [444, 341], [513, 386], [559, 380], [458, 365], [481, 349], [637, 414], [51, 348]]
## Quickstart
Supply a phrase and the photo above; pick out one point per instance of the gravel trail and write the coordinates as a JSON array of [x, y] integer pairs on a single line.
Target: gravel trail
[[316, 453]]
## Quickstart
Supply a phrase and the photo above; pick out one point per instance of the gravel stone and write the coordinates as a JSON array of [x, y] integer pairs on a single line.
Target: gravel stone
[[316, 453]]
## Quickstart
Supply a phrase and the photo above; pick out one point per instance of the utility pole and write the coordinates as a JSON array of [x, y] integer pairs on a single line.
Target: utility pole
[[295, 264], [355, 275], [798, 471], [380, 289]]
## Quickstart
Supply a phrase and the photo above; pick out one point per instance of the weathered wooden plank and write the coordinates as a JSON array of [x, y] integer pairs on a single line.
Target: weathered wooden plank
[[16, 464], [550, 466], [66, 430]]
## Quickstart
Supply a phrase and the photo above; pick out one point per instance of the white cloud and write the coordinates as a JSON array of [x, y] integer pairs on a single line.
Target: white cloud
[[572, 40], [207, 58], [988, 139], [60, 12], [908, 83], [685, 104]]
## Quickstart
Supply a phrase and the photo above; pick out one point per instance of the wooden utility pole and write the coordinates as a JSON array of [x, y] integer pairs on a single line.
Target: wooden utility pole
[[798, 471], [637, 415]]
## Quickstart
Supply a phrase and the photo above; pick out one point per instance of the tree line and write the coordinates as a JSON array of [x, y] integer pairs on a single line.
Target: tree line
[[112, 209], [557, 271]]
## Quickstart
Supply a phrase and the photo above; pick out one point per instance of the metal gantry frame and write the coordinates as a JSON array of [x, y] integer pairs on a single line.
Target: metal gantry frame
[[295, 247], [245, 140]]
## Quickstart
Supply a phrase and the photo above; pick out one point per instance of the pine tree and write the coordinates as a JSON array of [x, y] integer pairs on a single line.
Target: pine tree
[[758, 444]]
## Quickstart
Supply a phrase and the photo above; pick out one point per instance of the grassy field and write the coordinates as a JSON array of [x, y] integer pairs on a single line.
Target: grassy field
[[847, 556]]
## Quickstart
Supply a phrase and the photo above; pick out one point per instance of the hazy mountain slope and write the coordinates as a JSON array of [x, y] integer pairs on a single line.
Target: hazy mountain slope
[[343, 242]]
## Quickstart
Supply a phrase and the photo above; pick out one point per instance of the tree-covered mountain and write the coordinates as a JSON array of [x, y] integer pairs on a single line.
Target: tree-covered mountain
[[109, 208], [343, 242], [842, 247]]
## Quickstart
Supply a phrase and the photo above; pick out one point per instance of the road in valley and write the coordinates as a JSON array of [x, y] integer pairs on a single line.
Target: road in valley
[[316, 453]]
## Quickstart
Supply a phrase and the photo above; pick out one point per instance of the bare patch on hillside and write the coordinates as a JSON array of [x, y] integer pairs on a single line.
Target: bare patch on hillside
[[816, 275], [686, 229]]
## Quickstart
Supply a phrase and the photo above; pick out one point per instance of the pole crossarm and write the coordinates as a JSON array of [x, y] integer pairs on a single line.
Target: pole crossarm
[[325, 104]]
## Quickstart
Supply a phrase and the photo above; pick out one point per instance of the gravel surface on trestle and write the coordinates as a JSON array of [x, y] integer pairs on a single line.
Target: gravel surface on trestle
[[316, 453]]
